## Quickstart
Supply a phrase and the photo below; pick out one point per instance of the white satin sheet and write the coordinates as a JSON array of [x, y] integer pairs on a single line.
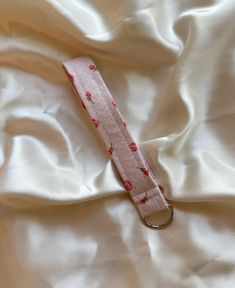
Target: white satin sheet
[[65, 218]]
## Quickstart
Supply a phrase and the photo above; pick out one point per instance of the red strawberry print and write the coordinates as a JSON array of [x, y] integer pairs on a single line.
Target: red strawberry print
[[144, 170], [124, 124], [114, 104], [128, 185], [71, 77], [96, 122], [92, 67], [111, 149], [133, 147], [143, 200], [88, 97]]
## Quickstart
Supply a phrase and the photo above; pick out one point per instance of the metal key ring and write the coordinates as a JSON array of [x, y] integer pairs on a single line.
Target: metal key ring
[[163, 225]]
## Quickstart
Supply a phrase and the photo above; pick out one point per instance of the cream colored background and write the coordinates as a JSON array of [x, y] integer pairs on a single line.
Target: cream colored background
[[65, 219]]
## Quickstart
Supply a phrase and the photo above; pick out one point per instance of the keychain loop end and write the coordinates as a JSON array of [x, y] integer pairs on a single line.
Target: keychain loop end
[[163, 225]]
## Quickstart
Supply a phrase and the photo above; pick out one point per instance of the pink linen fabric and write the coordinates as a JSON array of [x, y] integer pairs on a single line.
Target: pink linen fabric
[[107, 119]]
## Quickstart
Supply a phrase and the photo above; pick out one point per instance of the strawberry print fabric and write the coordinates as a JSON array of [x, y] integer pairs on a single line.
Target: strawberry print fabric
[[98, 102]]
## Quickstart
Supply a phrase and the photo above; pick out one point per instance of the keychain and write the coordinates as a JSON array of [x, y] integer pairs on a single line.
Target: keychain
[[137, 178]]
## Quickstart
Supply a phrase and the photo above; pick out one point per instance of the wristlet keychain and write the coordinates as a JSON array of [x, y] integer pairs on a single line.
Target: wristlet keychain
[[138, 179]]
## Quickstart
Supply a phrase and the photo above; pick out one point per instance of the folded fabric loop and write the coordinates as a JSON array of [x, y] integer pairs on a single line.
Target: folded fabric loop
[[124, 151]]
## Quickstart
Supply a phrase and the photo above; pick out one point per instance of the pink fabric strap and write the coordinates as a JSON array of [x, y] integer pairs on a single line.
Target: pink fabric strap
[[98, 102]]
